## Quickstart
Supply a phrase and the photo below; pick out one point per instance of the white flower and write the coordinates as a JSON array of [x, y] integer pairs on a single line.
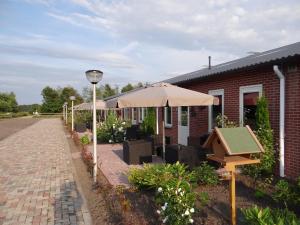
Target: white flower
[[110, 141], [159, 189], [191, 220], [179, 189], [192, 210], [123, 123], [187, 212], [182, 215], [181, 193], [166, 203], [120, 128], [158, 211], [165, 219], [164, 207]]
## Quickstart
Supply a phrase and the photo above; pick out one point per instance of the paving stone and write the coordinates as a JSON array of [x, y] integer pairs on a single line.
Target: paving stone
[[37, 180]]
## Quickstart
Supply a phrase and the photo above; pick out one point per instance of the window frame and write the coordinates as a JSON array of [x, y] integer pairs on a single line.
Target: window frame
[[168, 125], [215, 92], [133, 116], [244, 90]]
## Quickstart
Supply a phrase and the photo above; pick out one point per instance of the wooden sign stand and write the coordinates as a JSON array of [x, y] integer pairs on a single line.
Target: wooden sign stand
[[233, 147]]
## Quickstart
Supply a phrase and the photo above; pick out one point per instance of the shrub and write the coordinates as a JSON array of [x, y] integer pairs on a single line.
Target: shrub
[[223, 121], [206, 174], [264, 134], [176, 201], [258, 216], [112, 130], [85, 140], [174, 195], [148, 125], [154, 176], [286, 193]]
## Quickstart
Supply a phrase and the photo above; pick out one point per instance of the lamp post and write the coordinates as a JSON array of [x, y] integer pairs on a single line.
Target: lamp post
[[63, 112], [66, 111], [72, 98], [94, 76]]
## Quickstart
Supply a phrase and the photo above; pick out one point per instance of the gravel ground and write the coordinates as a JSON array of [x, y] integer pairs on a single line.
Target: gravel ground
[[11, 126]]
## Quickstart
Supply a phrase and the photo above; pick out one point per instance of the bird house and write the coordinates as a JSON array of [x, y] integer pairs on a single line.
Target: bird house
[[233, 144]]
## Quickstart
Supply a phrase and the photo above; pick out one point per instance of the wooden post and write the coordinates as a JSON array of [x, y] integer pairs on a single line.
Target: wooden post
[[232, 196]]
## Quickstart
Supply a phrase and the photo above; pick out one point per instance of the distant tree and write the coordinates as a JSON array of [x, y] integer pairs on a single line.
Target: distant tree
[[126, 88], [29, 108], [51, 100], [130, 87], [87, 94], [65, 94], [109, 91], [8, 102]]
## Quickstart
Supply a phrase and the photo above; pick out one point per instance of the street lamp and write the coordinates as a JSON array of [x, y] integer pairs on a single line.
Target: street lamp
[[72, 98], [94, 76], [63, 113], [66, 111]]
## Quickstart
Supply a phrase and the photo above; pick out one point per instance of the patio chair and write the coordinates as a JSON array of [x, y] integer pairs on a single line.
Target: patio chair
[[188, 155], [132, 133], [137, 152]]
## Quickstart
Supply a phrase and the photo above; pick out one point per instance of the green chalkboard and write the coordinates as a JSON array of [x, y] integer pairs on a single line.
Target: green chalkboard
[[239, 140]]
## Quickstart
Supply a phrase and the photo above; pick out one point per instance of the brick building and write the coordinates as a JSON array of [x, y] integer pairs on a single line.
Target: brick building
[[237, 84]]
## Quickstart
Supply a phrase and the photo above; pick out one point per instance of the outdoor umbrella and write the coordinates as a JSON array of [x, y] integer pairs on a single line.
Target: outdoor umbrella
[[161, 95]]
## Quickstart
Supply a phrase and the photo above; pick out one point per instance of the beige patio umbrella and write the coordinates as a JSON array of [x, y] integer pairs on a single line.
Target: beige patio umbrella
[[161, 95]]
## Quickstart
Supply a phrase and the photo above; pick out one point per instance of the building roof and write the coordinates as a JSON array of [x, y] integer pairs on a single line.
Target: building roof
[[251, 60]]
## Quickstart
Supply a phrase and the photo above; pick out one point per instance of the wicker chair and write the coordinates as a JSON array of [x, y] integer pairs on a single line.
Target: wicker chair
[[188, 155], [137, 152]]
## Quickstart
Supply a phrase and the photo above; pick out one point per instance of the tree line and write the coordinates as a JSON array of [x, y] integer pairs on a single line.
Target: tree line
[[54, 98]]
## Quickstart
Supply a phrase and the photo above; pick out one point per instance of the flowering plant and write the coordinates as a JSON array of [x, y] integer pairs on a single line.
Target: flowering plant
[[112, 130], [176, 202]]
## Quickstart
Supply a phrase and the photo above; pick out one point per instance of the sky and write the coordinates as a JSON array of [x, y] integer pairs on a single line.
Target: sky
[[53, 42]]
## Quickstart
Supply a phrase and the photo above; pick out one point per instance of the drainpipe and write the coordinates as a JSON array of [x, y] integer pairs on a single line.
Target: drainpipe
[[281, 119]]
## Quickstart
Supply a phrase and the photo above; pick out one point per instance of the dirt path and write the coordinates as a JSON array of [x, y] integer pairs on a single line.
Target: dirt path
[[11, 126]]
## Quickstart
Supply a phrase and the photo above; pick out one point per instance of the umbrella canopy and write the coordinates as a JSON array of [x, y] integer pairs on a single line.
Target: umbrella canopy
[[100, 105], [161, 95]]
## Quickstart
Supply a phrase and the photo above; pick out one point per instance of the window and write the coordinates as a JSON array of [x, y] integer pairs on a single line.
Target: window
[[248, 104], [215, 110], [168, 116], [141, 115], [126, 114], [134, 112]]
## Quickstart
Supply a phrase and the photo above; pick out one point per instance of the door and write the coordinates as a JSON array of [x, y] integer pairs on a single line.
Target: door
[[183, 124]]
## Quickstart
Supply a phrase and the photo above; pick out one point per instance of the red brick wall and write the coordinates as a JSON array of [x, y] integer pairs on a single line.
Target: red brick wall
[[231, 82]]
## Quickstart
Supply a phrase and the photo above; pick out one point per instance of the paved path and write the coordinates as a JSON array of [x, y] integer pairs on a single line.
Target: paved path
[[11, 126], [37, 180], [112, 165]]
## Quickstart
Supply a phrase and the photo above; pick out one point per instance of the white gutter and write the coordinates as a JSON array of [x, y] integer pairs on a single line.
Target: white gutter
[[281, 119]]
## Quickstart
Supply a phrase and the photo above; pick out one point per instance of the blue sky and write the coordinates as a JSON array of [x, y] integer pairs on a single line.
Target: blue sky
[[52, 42]]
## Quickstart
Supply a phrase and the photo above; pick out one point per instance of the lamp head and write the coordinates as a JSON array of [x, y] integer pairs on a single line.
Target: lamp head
[[72, 98], [94, 76]]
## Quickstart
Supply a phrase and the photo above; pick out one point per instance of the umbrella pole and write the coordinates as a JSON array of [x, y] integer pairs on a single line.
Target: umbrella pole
[[163, 132], [157, 121]]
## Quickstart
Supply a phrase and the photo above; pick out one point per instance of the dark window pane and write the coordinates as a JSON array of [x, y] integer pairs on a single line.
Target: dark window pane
[[216, 110], [250, 102]]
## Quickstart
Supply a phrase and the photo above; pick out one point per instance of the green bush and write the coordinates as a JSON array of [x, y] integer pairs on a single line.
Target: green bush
[[112, 130], [264, 134], [174, 195], [85, 140], [267, 216], [206, 174], [149, 124], [154, 176], [288, 194]]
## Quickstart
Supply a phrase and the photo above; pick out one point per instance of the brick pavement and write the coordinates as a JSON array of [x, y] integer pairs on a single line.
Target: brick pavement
[[37, 178]]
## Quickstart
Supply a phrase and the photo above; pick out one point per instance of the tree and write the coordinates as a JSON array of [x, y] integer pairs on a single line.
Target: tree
[[87, 94], [51, 101], [29, 108], [130, 87], [108, 91], [126, 88], [65, 94], [8, 102]]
